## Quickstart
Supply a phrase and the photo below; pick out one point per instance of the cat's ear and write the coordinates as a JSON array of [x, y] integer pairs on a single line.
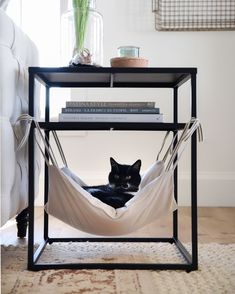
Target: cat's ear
[[136, 166], [113, 163]]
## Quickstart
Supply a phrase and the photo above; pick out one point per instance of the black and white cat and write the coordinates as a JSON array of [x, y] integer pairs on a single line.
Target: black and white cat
[[122, 180]]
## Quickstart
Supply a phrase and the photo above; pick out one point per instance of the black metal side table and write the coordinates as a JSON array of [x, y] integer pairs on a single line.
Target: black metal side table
[[108, 78]]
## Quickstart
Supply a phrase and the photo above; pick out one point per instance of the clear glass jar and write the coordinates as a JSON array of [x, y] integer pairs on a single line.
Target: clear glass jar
[[128, 51], [82, 34]]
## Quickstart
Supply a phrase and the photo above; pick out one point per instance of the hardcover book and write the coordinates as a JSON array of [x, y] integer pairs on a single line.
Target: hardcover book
[[112, 117], [110, 104], [109, 110]]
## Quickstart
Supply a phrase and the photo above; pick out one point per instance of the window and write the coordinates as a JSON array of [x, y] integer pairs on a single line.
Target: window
[[40, 20]]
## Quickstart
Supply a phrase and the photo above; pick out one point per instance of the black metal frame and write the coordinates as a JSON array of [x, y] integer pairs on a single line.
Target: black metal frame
[[113, 77]]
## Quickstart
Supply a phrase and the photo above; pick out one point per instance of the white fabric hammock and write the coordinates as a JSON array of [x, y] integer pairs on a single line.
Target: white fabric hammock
[[69, 202]]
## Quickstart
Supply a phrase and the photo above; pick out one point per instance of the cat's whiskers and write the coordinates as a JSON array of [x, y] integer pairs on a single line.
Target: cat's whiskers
[[132, 188], [112, 186]]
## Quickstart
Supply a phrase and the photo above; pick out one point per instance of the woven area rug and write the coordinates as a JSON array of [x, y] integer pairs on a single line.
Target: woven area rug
[[216, 272]]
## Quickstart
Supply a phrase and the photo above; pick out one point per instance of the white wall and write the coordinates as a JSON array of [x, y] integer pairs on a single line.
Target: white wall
[[131, 22]]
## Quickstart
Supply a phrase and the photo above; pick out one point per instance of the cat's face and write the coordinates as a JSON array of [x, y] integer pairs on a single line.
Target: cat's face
[[125, 177]]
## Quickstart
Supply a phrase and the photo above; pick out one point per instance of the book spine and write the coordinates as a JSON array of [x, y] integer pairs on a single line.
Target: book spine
[[110, 104], [82, 117], [109, 110]]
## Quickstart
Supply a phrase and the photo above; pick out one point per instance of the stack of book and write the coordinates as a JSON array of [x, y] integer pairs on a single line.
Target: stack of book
[[90, 111]]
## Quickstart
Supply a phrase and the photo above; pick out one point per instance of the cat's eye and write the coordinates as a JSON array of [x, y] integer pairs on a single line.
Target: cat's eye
[[116, 177], [128, 177]]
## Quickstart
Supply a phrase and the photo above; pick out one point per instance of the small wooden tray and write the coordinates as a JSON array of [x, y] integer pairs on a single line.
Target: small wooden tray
[[128, 62]]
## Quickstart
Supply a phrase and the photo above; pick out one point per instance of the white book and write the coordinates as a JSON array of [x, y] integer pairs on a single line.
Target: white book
[[110, 117], [110, 104]]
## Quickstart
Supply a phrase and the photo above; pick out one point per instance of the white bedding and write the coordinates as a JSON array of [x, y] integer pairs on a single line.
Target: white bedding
[[17, 52]]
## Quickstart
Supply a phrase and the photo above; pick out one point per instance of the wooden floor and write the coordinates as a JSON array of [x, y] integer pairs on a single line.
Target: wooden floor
[[214, 225]]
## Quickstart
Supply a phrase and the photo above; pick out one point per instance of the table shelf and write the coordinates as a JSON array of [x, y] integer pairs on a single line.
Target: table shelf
[[112, 77], [105, 126]]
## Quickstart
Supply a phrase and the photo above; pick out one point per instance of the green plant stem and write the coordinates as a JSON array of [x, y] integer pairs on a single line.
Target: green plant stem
[[81, 14]]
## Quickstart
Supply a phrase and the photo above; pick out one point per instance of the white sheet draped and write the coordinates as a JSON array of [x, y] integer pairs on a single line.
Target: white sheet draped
[[69, 202]]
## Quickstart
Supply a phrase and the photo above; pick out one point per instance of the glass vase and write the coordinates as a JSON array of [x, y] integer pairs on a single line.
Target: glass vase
[[82, 35]]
